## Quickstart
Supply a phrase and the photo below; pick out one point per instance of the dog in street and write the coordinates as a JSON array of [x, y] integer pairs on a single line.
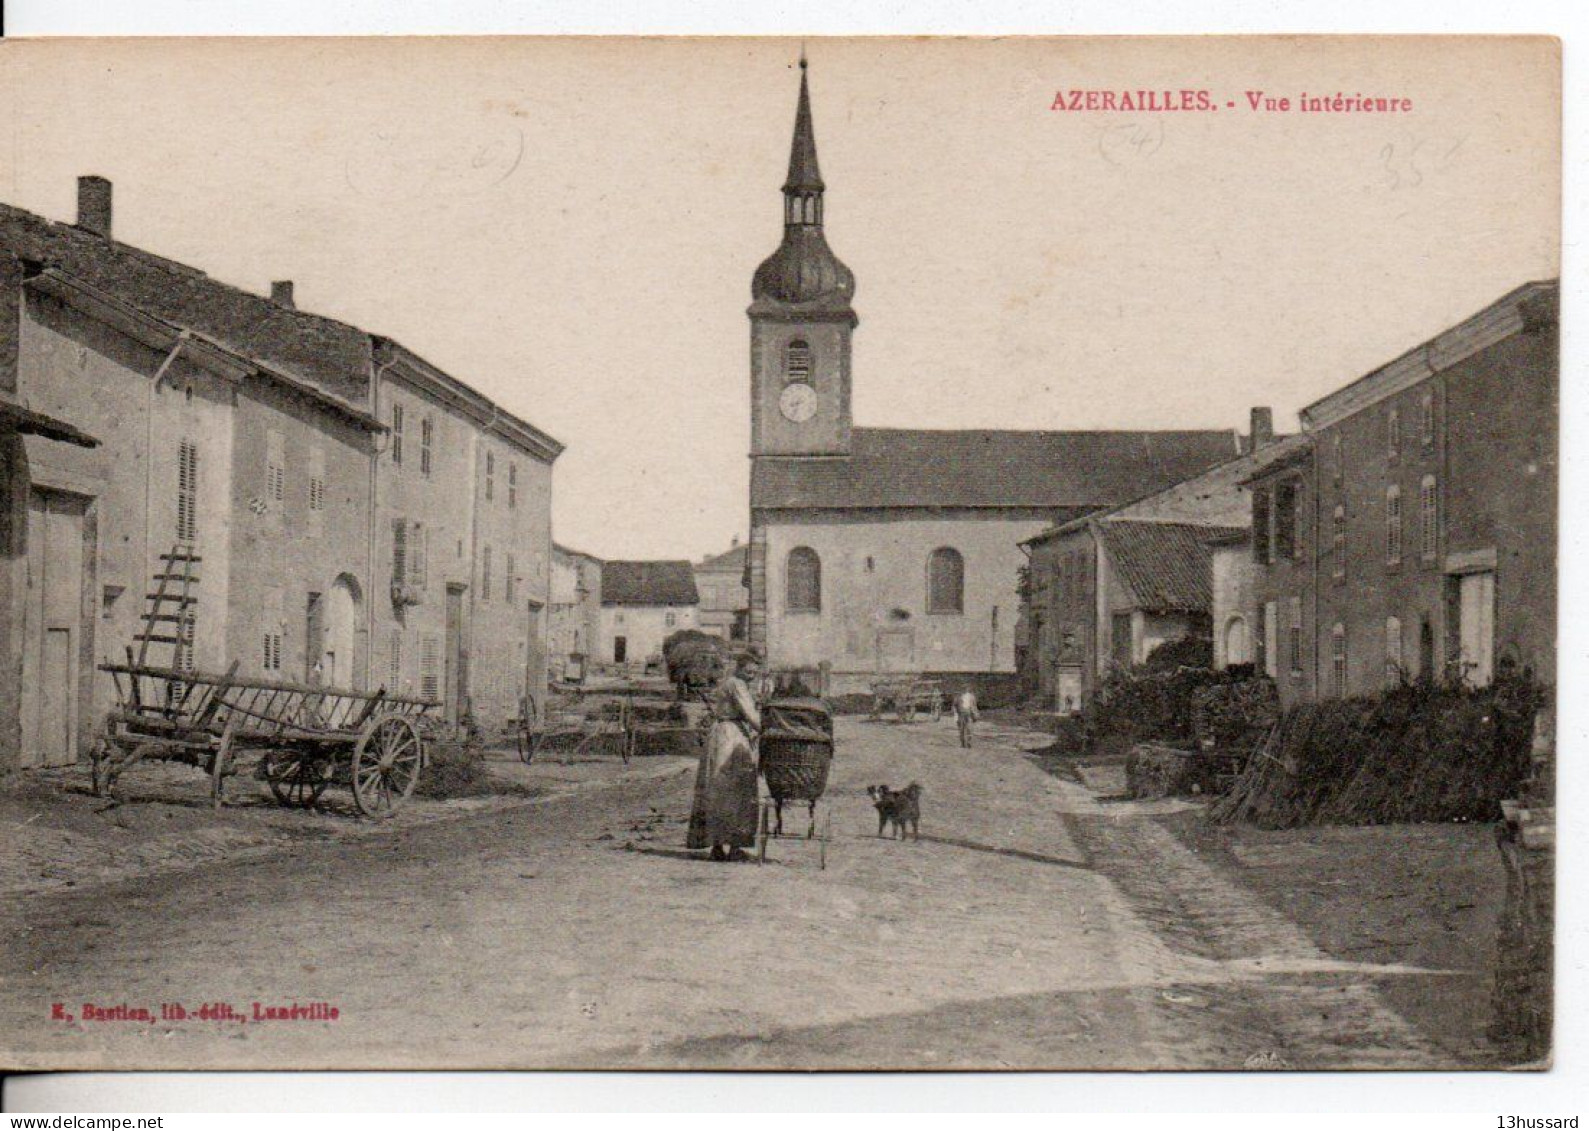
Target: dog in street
[[900, 808]]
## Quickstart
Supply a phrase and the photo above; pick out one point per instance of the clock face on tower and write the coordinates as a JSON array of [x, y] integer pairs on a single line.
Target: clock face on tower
[[798, 402]]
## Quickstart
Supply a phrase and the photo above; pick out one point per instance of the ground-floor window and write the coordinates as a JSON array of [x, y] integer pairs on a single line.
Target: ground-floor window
[[1338, 660]]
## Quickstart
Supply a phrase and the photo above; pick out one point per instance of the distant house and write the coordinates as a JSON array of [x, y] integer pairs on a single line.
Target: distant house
[[642, 604], [725, 599], [575, 625]]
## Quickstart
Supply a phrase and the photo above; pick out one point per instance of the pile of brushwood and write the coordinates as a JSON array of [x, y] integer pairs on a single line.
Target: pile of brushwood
[[1145, 705], [1234, 716], [1415, 753]]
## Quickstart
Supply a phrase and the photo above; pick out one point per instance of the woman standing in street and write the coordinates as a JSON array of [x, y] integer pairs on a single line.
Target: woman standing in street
[[723, 817]]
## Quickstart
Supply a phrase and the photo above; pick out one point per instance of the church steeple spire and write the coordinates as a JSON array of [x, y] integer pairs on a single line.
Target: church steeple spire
[[804, 178], [804, 272]]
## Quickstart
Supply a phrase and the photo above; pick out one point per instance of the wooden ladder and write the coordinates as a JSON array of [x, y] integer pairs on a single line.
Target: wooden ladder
[[168, 617]]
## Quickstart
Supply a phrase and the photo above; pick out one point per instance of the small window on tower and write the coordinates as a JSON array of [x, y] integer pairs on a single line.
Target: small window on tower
[[797, 360]]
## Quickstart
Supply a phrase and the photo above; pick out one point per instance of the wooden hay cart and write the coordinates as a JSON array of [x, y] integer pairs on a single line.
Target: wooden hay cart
[[306, 738], [794, 755], [905, 696]]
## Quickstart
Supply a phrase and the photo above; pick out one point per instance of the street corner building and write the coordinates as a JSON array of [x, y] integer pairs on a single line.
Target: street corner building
[[879, 550], [1412, 536], [319, 505], [642, 604]]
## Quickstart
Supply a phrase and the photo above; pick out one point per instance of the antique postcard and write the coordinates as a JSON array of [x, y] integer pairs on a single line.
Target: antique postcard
[[854, 554]]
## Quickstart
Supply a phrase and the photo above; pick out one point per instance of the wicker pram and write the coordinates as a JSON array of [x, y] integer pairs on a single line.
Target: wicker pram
[[796, 751]]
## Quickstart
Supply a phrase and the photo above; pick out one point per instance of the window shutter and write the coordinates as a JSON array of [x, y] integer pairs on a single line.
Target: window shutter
[[1260, 527], [399, 551]]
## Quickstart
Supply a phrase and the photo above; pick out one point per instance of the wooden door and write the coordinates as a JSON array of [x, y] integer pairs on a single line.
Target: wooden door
[[53, 629], [1476, 627], [453, 657]]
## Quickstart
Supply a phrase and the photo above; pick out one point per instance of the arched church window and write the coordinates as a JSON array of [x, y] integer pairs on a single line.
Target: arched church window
[[946, 581], [797, 360], [803, 583]]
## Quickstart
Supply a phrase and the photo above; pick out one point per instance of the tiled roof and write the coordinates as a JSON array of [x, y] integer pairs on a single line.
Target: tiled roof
[[330, 354], [729, 561], [1165, 565], [896, 467], [648, 583]]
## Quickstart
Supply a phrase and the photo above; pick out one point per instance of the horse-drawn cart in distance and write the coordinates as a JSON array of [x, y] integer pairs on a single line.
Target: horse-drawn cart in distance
[[307, 738], [580, 720], [906, 695]]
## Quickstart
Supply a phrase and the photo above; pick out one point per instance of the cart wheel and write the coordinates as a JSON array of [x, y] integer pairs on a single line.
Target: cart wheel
[[221, 765], [295, 779], [386, 765]]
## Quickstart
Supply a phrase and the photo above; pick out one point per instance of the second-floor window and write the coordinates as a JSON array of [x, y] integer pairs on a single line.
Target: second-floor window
[[1260, 527], [397, 433], [485, 574], [317, 492], [275, 467], [187, 491], [1426, 419], [513, 485], [491, 476], [1393, 525], [1338, 543], [1393, 434], [507, 587], [426, 435], [1428, 519], [1287, 520], [1338, 660]]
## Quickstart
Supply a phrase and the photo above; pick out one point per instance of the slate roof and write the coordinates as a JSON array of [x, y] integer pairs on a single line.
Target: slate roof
[[897, 467], [1165, 565], [648, 583]]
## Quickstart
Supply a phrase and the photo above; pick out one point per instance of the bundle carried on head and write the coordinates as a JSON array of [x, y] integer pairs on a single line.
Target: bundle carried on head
[[695, 659]]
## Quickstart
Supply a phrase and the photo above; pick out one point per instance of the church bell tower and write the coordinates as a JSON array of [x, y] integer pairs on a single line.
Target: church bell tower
[[801, 320]]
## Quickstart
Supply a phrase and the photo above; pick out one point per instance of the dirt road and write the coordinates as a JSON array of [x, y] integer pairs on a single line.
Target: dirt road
[[1034, 925]]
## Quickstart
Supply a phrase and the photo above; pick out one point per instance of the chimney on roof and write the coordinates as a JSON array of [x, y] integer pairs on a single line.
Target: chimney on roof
[[93, 205], [1262, 429], [281, 293]]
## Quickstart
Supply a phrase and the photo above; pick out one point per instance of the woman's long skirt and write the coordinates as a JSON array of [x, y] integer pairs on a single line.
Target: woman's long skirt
[[725, 806]]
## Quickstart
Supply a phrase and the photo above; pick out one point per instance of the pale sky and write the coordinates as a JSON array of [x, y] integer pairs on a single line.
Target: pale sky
[[571, 226]]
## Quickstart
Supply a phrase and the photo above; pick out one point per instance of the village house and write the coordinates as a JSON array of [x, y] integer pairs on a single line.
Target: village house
[[876, 550], [1105, 590], [239, 445], [574, 619], [642, 604], [464, 539], [725, 601], [1414, 537]]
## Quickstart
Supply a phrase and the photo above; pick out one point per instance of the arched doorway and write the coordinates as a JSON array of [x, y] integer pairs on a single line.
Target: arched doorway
[[1237, 650], [339, 660]]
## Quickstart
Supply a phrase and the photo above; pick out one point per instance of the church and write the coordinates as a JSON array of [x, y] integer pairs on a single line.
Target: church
[[887, 550]]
